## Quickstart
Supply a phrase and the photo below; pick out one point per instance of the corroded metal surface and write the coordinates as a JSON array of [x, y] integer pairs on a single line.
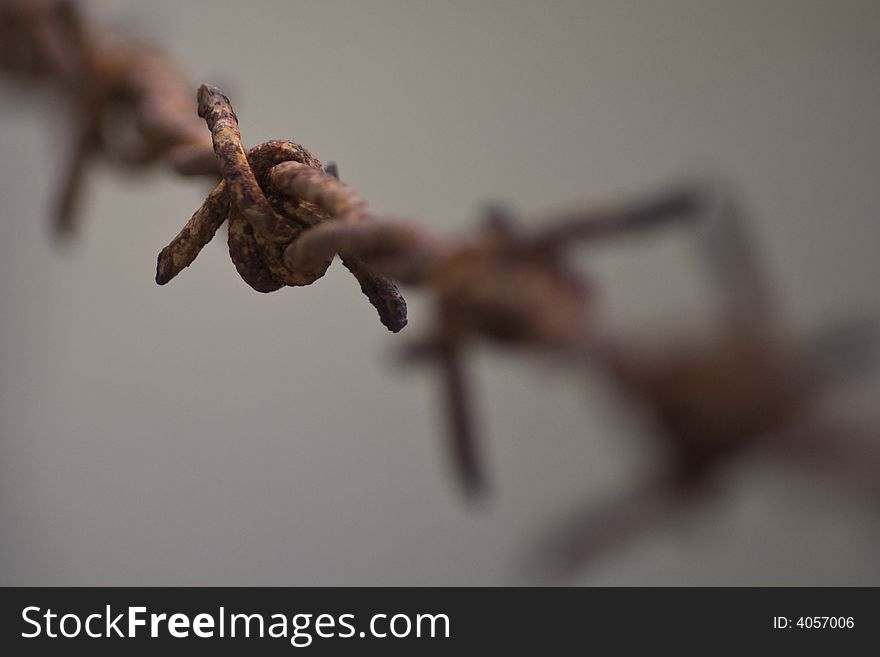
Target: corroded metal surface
[[289, 217], [129, 103], [263, 225]]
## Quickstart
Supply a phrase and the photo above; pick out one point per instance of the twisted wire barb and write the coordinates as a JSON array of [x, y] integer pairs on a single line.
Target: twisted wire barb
[[129, 102], [263, 227]]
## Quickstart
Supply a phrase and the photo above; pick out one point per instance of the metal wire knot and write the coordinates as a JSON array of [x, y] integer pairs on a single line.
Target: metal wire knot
[[264, 223]]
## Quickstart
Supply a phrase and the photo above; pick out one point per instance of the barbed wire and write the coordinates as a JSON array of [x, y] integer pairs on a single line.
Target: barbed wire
[[128, 101], [289, 216]]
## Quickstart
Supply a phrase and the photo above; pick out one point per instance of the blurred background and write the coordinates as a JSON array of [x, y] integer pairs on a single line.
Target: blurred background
[[204, 434]]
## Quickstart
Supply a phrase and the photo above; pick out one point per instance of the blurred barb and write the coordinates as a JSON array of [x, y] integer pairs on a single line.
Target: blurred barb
[[714, 401], [676, 205], [719, 229], [714, 398], [594, 531], [711, 396], [464, 449], [128, 102]]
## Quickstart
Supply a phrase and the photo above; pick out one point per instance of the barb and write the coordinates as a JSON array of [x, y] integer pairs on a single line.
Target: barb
[[130, 103], [288, 218], [263, 225]]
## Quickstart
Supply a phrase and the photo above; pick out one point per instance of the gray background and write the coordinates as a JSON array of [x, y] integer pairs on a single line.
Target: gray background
[[202, 433]]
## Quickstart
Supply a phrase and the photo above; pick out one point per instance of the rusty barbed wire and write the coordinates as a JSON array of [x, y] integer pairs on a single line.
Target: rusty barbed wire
[[263, 228], [745, 391], [128, 101], [289, 216]]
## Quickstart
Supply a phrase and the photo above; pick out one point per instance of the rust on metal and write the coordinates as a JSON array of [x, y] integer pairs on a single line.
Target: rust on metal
[[288, 217], [263, 226], [129, 102]]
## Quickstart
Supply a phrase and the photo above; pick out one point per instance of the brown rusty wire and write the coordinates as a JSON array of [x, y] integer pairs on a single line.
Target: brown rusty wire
[[263, 227], [288, 217], [129, 102]]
